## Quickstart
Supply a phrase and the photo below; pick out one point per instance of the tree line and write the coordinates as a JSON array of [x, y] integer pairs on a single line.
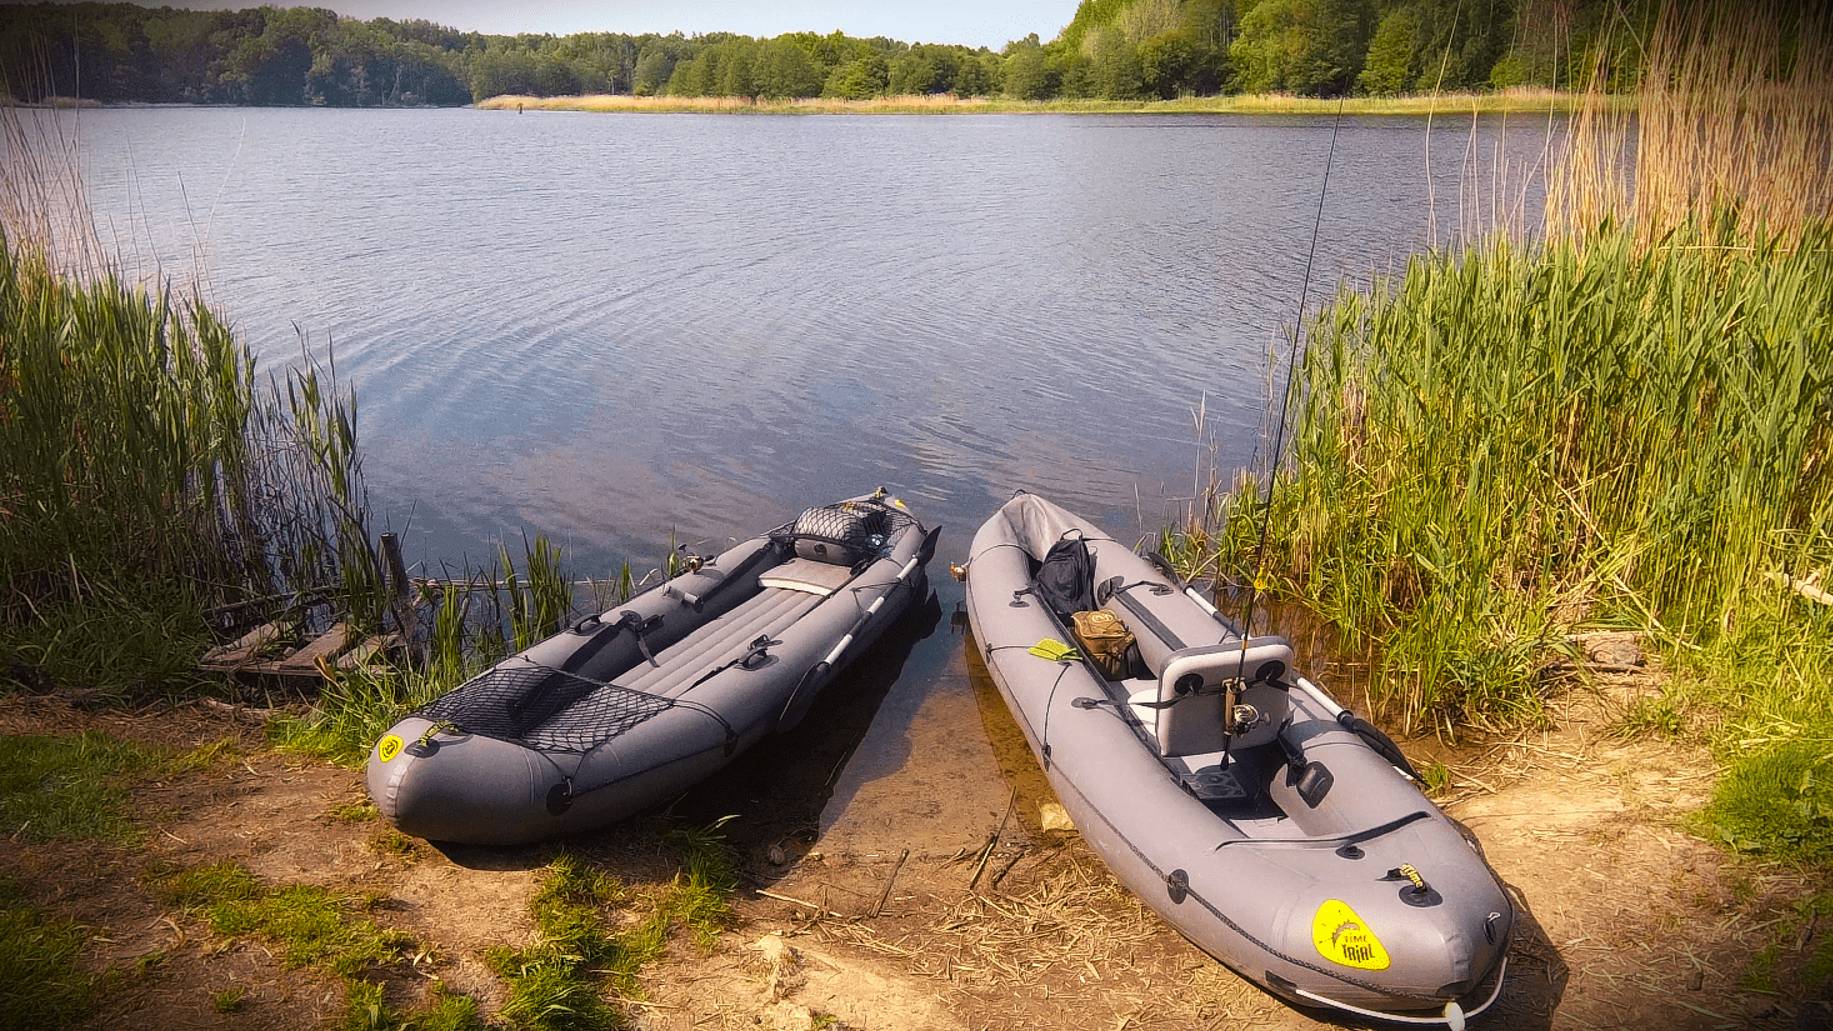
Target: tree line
[[1111, 49]]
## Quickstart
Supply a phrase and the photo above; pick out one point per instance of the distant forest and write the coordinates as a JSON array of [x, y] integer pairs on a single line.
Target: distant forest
[[1112, 49]]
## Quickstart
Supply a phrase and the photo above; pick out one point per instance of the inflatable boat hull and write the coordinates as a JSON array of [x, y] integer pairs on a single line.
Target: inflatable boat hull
[[1364, 897], [627, 709]]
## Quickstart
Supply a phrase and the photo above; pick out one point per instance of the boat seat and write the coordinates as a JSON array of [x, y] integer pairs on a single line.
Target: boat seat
[[806, 575], [1188, 719], [1142, 696]]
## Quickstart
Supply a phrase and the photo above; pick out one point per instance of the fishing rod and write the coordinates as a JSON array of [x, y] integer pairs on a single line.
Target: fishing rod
[[1279, 438]]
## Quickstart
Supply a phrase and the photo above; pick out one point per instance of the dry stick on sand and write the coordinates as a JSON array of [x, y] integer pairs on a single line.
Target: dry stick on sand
[[885, 896], [986, 853]]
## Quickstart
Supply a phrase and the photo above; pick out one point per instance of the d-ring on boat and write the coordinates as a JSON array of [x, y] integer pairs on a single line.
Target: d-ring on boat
[[1272, 827]]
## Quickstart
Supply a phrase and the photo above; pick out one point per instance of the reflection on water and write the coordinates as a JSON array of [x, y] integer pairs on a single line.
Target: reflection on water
[[605, 326], [1011, 751], [610, 327]]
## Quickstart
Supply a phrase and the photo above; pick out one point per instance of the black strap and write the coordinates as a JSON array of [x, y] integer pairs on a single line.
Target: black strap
[[638, 626], [1146, 618]]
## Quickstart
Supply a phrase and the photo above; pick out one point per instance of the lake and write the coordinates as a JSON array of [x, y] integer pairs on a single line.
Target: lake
[[608, 327]]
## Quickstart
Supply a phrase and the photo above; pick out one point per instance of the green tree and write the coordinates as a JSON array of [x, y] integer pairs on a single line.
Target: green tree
[[1302, 46], [785, 68], [1025, 72], [1175, 63], [914, 72], [1115, 66], [735, 77], [976, 75], [1393, 53], [858, 79], [653, 67]]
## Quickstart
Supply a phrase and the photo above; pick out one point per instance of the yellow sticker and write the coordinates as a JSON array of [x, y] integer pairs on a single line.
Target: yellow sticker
[[899, 503], [388, 748], [1342, 937]]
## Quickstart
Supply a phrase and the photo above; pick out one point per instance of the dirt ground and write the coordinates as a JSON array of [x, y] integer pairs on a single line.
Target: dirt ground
[[899, 874]]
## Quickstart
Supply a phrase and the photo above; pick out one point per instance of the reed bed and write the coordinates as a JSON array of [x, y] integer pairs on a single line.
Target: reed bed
[[150, 477], [1507, 101], [1625, 423]]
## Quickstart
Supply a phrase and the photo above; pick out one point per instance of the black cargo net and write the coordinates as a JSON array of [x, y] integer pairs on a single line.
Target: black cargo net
[[547, 709], [863, 526]]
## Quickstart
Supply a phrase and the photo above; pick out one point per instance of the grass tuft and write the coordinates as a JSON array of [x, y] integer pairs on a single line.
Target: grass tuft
[[308, 926], [69, 787], [230, 999], [42, 981]]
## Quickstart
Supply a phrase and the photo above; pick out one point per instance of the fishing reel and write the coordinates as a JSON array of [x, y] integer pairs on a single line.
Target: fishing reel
[[1243, 718]]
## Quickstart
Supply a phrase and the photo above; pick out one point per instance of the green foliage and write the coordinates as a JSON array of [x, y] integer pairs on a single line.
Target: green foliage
[[71, 787], [1394, 53], [313, 927], [548, 993], [555, 984], [1438, 778], [858, 79], [1770, 675], [1115, 66], [147, 475], [1301, 46], [229, 1000], [699, 898], [42, 981], [1165, 48], [1778, 800], [1651, 716], [198, 887], [1500, 444], [356, 706]]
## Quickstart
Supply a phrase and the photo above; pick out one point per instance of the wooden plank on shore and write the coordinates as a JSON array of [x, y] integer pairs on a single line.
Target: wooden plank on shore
[[374, 646], [242, 650], [327, 646]]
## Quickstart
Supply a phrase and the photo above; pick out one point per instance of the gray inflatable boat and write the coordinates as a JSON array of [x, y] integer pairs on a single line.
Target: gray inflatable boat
[[1270, 826], [626, 709]]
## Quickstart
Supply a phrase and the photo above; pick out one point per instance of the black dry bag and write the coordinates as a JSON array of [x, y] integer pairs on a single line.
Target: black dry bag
[[1066, 580]]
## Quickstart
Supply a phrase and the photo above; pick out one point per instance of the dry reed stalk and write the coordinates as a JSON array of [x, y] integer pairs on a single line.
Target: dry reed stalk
[[1733, 121]]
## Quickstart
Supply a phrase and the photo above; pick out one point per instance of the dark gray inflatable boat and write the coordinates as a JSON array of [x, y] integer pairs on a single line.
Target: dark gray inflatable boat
[[1265, 822], [626, 709]]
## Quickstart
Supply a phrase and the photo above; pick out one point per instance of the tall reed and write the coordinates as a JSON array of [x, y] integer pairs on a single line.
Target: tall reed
[[147, 472], [1624, 423]]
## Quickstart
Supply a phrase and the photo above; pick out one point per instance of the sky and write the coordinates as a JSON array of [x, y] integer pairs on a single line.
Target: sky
[[989, 23]]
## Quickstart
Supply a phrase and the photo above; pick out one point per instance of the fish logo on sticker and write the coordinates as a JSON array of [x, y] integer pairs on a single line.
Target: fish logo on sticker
[[1342, 937], [388, 748]]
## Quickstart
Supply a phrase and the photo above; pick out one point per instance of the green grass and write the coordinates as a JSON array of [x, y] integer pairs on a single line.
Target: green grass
[[73, 787], [355, 812], [1511, 101], [1502, 446], [146, 473], [558, 983], [42, 980], [311, 927], [505, 607], [77, 786], [229, 1000]]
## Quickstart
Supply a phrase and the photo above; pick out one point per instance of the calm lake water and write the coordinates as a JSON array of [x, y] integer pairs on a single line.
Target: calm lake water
[[607, 326]]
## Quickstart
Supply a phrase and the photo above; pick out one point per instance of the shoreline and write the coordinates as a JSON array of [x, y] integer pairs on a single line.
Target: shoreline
[[1421, 105], [1540, 102]]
